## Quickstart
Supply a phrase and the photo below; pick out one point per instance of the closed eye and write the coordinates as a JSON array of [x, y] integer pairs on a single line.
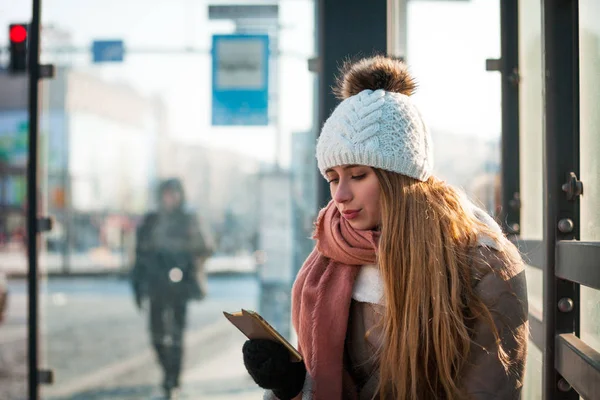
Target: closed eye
[[359, 177]]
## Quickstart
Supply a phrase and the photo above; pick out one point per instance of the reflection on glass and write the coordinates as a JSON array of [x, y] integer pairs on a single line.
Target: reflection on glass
[[530, 92], [590, 317], [532, 389], [589, 59], [467, 144], [530, 136], [535, 288]]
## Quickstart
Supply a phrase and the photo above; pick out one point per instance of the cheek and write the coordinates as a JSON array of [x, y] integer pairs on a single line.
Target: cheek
[[372, 198], [374, 204]]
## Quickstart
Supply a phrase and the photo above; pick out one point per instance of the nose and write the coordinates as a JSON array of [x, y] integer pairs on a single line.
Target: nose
[[342, 192]]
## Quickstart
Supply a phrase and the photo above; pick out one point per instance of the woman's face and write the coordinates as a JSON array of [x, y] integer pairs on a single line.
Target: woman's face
[[355, 191]]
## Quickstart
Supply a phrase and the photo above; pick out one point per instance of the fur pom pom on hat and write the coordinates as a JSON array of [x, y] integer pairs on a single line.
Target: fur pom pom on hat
[[377, 123]]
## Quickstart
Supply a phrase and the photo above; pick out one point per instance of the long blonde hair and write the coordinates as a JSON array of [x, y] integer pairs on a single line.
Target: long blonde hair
[[424, 259]]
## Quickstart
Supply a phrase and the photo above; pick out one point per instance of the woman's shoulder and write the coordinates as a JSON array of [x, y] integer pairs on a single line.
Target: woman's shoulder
[[498, 273], [501, 259]]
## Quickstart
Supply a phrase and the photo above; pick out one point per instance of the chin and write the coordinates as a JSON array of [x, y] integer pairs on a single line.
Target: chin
[[362, 226]]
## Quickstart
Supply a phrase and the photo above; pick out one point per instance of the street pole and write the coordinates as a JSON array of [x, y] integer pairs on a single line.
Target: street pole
[[32, 201]]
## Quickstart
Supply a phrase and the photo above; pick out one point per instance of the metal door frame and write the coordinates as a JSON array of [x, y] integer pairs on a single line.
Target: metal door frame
[[570, 367]]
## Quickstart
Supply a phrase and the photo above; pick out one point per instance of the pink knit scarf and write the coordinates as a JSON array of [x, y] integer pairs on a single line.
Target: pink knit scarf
[[322, 294]]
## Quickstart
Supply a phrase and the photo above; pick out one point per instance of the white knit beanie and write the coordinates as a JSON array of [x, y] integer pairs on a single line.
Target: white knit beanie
[[376, 124]]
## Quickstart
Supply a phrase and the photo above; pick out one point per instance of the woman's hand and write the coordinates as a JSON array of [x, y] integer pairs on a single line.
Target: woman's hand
[[269, 364]]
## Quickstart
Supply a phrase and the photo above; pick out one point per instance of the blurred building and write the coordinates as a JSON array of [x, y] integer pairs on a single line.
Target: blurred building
[[98, 114], [471, 163], [276, 244], [485, 191], [304, 194], [98, 143], [13, 158], [221, 188]]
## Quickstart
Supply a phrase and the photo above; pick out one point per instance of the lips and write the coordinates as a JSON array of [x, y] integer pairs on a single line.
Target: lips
[[350, 214]]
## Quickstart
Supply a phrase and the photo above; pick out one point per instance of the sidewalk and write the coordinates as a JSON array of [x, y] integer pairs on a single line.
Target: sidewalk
[[101, 262], [224, 377]]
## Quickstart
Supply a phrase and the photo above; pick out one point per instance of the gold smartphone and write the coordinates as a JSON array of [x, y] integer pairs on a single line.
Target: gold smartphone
[[251, 324]]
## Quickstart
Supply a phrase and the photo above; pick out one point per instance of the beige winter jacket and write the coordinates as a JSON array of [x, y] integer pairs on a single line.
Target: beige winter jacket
[[484, 378]]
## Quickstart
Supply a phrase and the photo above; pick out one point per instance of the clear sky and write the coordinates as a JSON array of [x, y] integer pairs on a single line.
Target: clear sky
[[447, 47]]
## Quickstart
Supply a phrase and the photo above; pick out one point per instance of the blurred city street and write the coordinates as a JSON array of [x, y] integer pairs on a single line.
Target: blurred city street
[[95, 341], [102, 261], [156, 153]]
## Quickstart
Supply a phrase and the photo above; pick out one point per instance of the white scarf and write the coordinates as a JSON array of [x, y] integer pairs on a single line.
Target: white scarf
[[368, 287]]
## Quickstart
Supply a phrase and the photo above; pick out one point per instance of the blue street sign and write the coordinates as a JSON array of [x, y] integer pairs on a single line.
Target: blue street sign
[[240, 80], [108, 51]]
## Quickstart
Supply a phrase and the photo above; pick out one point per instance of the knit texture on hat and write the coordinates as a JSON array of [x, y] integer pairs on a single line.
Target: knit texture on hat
[[379, 129]]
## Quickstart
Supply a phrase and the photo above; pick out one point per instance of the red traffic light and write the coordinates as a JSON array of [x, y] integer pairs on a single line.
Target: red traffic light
[[18, 33]]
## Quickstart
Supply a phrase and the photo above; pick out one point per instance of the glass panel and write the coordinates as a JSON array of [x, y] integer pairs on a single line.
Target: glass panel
[[535, 288], [532, 388], [589, 59], [111, 133], [530, 135], [14, 123], [465, 124], [530, 92], [589, 47], [590, 317]]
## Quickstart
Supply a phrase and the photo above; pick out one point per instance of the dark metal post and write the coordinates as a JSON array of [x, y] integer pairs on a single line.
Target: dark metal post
[[346, 29], [510, 214], [32, 200], [561, 156]]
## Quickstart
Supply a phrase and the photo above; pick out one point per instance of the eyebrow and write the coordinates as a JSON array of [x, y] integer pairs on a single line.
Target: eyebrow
[[344, 167]]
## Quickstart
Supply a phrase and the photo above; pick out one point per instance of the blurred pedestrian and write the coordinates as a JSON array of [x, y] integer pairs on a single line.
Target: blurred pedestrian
[[168, 273]]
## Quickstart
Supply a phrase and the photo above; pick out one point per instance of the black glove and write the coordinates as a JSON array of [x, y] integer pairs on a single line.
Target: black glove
[[269, 364]]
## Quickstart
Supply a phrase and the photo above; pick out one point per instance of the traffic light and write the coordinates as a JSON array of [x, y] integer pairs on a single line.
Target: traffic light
[[18, 36]]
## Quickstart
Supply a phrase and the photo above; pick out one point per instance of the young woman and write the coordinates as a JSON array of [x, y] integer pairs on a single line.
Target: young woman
[[411, 292]]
